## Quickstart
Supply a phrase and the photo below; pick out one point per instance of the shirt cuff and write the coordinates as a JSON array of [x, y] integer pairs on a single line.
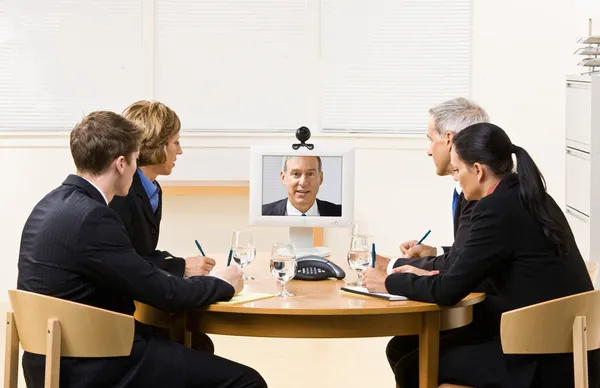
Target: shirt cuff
[[440, 250], [218, 277], [390, 267]]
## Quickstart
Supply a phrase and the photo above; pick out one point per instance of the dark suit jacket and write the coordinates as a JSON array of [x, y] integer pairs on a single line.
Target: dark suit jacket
[[462, 226], [75, 248], [507, 246], [326, 209], [143, 226]]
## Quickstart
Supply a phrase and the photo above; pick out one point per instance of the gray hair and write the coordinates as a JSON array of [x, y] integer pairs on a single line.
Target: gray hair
[[286, 158], [457, 114]]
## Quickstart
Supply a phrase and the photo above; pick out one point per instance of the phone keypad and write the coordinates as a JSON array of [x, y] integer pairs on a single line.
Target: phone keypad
[[311, 271]]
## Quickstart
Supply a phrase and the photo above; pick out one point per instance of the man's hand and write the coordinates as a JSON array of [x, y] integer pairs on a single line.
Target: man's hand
[[198, 266], [373, 279], [410, 249], [415, 270], [233, 275]]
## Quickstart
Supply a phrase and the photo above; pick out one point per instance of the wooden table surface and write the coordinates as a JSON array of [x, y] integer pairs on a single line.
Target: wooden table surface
[[321, 310]]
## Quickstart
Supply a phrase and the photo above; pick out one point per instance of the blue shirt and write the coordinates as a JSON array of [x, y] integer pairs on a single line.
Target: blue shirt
[[151, 190]]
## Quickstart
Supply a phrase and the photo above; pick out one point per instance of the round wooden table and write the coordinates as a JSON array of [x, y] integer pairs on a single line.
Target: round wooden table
[[321, 310]]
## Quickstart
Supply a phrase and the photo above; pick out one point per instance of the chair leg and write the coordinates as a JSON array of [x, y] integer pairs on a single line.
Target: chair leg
[[580, 352], [11, 355], [53, 342]]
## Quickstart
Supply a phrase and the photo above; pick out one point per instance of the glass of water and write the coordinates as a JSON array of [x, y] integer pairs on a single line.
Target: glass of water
[[359, 255], [243, 249], [283, 265]]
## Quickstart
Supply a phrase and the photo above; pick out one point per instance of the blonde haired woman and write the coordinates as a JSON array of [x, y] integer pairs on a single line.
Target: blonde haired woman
[[141, 209]]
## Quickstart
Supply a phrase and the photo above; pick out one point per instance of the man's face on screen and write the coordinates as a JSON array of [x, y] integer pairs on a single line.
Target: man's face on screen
[[302, 178]]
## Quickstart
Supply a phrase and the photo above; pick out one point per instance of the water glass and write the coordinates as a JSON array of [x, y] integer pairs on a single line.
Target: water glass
[[359, 255], [243, 249], [283, 265]]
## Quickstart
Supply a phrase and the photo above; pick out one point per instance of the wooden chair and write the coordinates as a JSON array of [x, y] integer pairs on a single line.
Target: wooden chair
[[592, 268], [565, 325], [56, 327], [175, 323]]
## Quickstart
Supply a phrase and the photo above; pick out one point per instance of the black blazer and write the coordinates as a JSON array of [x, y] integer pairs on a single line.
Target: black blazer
[[462, 226], [507, 247], [143, 226], [326, 209], [75, 248]]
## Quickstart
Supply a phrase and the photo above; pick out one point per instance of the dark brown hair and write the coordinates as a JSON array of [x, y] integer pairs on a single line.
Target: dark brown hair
[[100, 138]]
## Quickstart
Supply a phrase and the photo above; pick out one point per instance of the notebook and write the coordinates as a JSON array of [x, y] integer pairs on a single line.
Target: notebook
[[364, 291], [244, 297]]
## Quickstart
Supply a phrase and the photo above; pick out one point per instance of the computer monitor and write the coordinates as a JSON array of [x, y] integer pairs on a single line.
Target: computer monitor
[[302, 189]]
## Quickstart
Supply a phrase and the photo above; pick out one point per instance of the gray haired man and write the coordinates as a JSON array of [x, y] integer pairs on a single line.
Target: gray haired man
[[445, 121]]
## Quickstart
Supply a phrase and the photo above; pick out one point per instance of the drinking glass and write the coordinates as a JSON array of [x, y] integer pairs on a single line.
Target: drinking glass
[[283, 265], [360, 228], [359, 255], [243, 249]]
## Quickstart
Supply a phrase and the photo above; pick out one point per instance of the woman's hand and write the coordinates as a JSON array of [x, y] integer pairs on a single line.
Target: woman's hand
[[373, 279]]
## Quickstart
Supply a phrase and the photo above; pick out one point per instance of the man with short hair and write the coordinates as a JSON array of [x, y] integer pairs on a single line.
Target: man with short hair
[[302, 176], [75, 247]]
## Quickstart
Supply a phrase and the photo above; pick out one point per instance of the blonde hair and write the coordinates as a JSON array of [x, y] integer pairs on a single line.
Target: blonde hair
[[159, 123]]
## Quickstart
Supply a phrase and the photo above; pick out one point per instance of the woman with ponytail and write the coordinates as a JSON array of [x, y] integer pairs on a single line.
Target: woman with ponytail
[[520, 242]]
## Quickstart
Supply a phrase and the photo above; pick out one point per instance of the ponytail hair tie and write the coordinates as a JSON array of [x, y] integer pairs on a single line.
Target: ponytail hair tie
[[513, 148]]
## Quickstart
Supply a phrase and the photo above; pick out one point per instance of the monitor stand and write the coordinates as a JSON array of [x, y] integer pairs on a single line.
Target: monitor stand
[[302, 238]]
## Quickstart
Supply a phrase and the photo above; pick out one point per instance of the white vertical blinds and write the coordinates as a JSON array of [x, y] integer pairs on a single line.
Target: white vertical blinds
[[384, 63], [235, 65], [62, 59]]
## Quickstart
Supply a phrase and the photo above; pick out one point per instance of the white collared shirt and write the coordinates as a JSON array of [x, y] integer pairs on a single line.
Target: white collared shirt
[[290, 210], [97, 188]]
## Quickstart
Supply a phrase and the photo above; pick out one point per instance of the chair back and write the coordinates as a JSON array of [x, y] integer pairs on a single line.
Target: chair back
[[86, 331], [56, 327], [565, 325], [174, 322]]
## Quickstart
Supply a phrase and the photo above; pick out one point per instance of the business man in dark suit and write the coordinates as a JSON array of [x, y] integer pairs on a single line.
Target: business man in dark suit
[[302, 176], [445, 121], [75, 247], [521, 243]]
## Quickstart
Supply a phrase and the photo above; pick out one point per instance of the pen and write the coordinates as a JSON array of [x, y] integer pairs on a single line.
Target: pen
[[199, 247], [373, 254], [424, 237], [229, 258]]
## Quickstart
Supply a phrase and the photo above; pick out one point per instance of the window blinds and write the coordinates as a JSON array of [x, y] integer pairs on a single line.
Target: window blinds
[[384, 63], [62, 59]]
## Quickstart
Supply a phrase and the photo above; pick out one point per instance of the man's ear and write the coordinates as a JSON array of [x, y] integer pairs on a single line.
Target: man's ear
[[448, 136], [120, 163], [321, 175], [282, 176]]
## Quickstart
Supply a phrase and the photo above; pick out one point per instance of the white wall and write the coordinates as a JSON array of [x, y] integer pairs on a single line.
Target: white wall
[[521, 54]]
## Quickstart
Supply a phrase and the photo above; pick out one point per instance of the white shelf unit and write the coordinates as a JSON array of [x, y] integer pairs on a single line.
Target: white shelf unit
[[583, 162]]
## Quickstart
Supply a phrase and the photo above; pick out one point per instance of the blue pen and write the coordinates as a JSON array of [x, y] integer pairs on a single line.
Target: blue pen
[[424, 237], [229, 258], [199, 247], [373, 254]]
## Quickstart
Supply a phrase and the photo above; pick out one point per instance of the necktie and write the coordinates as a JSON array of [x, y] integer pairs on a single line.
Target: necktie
[[303, 215], [454, 203]]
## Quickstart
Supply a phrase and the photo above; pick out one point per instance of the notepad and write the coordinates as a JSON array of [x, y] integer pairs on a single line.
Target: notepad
[[244, 297], [364, 291]]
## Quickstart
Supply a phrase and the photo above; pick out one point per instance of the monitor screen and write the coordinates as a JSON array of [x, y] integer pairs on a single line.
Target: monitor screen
[[302, 186]]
